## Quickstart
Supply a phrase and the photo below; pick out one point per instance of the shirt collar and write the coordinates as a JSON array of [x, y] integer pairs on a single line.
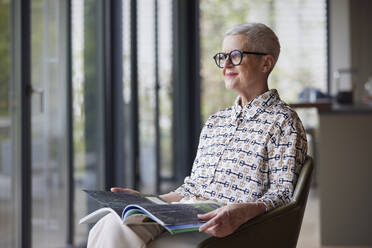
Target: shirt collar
[[256, 106]]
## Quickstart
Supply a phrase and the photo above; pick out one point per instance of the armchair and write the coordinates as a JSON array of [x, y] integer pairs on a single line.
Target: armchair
[[277, 228]]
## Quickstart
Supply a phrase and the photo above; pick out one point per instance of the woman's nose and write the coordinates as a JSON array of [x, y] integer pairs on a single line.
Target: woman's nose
[[227, 63]]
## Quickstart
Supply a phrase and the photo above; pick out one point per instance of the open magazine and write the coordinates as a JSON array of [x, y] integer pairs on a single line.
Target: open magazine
[[175, 218]]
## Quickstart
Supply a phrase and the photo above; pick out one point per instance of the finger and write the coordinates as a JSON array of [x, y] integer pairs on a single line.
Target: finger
[[207, 216], [214, 230], [117, 189], [212, 222], [219, 231]]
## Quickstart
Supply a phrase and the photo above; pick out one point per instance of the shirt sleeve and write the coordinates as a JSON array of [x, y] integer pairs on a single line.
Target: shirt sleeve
[[286, 152], [189, 185]]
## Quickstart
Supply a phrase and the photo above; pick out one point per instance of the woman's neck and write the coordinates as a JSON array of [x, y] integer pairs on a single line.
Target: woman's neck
[[249, 96]]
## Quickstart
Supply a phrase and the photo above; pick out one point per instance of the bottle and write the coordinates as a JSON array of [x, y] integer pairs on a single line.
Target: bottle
[[368, 88], [344, 86]]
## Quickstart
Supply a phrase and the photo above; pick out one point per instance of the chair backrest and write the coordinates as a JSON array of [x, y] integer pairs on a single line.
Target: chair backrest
[[304, 181], [301, 192], [277, 228]]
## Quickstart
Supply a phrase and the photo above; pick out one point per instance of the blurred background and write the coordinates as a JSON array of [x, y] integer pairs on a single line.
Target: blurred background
[[96, 93]]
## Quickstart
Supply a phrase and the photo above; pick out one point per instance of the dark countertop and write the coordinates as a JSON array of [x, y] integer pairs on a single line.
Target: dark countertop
[[327, 107], [347, 109]]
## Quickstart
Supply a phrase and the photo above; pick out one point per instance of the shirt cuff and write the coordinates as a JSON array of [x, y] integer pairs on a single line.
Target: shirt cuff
[[181, 191], [269, 205]]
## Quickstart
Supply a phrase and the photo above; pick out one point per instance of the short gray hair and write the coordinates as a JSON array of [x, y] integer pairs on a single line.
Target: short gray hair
[[260, 38]]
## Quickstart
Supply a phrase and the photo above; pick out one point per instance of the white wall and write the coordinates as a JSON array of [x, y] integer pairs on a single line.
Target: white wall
[[361, 43], [345, 150], [339, 38], [350, 42], [345, 159]]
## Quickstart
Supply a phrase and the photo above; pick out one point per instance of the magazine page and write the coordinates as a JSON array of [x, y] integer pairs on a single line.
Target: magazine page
[[122, 199], [97, 215], [115, 200], [173, 214]]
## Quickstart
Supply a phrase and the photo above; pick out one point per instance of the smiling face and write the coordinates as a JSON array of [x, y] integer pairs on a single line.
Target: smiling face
[[250, 77]]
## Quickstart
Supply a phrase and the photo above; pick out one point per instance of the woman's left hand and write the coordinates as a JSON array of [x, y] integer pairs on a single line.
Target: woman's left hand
[[225, 220]]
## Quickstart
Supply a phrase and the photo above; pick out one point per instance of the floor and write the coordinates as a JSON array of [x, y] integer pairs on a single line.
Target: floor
[[310, 230]]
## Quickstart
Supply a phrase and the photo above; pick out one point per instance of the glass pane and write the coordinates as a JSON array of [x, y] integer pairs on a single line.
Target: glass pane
[[301, 28], [6, 172], [48, 122], [146, 93], [127, 99], [87, 108], [165, 91]]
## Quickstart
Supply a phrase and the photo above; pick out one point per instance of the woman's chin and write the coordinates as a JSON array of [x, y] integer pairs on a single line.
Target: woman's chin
[[229, 85]]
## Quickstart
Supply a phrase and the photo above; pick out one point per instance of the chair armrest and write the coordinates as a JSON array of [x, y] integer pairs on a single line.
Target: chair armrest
[[262, 231], [275, 213]]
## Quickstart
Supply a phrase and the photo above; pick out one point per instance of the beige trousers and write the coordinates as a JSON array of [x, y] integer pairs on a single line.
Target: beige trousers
[[110, 232]]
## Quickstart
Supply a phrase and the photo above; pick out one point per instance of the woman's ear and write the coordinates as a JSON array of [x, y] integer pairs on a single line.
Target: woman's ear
[[268, 63]]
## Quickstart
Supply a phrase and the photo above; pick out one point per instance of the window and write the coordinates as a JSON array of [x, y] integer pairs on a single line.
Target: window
[[7, 206], [165, 68], [151, 62], [58, 172], [48, 122], [146, 95], [88, 107]]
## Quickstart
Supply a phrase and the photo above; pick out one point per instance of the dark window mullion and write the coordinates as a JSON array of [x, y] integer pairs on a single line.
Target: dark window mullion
[[157, 112], [113, 92], [186, 85], [117, 91], [69, 130], [21, 79], [26, 208], [107, 86], [108, 94], [134, 95]]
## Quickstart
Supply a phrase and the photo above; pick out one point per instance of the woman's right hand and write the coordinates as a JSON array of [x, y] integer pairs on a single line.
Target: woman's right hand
[[126, 190]]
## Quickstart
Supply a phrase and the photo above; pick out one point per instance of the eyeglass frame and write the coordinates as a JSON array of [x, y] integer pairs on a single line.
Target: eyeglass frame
[[241, 56]]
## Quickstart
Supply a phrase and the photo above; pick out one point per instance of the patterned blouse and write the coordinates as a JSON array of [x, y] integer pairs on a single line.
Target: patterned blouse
[[248, 154]]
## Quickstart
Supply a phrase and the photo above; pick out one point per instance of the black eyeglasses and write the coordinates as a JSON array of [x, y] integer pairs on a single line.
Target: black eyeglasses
[[235, 57]]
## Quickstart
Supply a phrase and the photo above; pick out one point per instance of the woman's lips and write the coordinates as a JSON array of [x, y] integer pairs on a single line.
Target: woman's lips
[[231, 74]]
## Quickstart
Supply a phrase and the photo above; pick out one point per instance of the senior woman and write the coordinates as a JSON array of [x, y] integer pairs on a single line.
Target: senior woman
[[249, 155]]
